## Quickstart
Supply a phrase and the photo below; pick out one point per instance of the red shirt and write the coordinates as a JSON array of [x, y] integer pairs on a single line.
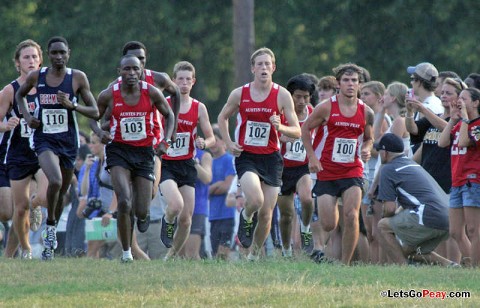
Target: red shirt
[[254, 132], [157, 129], [184, 146], [132, 125], [294, 153], [466, 161], [337, 144]]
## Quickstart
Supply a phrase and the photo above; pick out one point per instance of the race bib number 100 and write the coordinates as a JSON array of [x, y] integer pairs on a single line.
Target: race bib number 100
[[344, 150], [257, 134]]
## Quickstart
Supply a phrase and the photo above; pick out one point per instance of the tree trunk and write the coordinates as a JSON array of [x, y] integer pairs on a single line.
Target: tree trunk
[[243, 39]]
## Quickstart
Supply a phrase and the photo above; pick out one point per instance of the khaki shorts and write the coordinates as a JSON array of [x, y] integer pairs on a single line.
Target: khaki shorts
[[412, 234]]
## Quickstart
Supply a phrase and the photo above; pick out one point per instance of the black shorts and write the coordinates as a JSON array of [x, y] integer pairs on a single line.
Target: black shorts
[[183, 172], [198, 225], [66, 152], [139, 160], [19, 172], [290, 178], [4, 180], [268, 167], [221, 233], [336, 187]]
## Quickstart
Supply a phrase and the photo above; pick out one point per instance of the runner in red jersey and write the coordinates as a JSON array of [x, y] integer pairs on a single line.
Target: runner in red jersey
[[162, 81], [462, 133], [343, 138], [258, 161], [130, 156], [179, 174], [295, 176]]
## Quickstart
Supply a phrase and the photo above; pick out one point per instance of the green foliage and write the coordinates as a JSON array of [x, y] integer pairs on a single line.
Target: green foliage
[[306, 36]]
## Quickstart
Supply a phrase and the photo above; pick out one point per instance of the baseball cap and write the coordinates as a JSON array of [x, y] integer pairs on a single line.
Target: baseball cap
[[424, 70], [390, 143]]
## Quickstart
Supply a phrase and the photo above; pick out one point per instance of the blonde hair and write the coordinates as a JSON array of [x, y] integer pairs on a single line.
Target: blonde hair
[[262, 51], [377, 87], [399, 91]]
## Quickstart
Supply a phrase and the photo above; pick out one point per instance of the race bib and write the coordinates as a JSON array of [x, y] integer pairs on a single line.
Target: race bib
[[295, 151], [133, 128], [257, 134], [344, 150], [54, 121], [25, 130], [181, 145]]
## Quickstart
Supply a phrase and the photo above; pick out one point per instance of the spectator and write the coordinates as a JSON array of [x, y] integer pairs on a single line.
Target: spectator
[[194, 247], [473, 80], [420, 221], [462, 134], [222, 217], [423, 78]]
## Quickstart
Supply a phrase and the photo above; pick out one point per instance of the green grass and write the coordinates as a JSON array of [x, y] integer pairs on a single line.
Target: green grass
[[269, 283]]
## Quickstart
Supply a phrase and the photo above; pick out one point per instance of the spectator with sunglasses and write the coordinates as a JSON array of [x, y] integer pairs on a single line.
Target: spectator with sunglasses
[[423, 78]]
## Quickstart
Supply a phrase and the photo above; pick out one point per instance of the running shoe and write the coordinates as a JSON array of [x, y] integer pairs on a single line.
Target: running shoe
[[245, 230], [126, 260], [142, 224], [307, 241], [49, 242], [167, 232]]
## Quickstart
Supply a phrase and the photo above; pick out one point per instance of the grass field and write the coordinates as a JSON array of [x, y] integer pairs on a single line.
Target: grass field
[[268, 283]]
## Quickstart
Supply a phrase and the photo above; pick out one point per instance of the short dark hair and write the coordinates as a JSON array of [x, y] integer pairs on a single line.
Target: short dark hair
[[447, 74], [132, 45], [300, 82], [56, 39], [426, 84]]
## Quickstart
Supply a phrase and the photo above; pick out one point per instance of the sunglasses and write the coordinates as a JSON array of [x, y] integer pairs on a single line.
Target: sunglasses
[[460, 83]]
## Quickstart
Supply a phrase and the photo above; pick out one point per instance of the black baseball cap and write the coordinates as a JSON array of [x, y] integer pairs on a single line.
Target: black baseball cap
[[390, 143]]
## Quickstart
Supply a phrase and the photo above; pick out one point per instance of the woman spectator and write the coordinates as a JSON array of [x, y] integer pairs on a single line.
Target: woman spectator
[[371, 94], [434, 159], [462, 133], [393, 104]]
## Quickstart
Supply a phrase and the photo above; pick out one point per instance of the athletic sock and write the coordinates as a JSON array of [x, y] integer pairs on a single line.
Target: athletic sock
[[303, 228], [127, 254], [248, 219]]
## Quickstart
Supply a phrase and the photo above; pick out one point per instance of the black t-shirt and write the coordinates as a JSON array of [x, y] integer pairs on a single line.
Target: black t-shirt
[[413, 188], [435, 160]]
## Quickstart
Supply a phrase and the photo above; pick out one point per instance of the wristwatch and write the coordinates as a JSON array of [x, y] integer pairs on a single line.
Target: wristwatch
[[466, 121], [75, 105]]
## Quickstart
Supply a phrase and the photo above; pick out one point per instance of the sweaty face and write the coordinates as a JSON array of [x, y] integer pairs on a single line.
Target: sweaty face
[[301, 99], [58, 54], [130, 70], [185, 81], [29, 60], [349, 84], [263, 67]]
